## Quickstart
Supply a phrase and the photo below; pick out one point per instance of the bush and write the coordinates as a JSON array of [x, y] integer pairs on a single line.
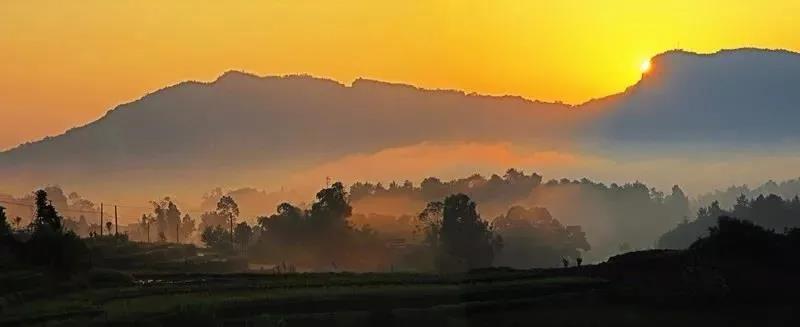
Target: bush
[[64, 253]]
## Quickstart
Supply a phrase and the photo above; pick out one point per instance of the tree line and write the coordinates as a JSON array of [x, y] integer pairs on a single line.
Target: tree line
[[615, 217], [727, 198], [450, 236], [44, 242], [771, 212]]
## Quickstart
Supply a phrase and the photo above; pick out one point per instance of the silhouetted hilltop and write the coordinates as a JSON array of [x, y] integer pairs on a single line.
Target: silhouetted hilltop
[[243, 117], [744, 95]]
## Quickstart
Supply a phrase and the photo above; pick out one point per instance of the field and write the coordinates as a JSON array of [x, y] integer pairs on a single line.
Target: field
[[135, 284], [493, 297]]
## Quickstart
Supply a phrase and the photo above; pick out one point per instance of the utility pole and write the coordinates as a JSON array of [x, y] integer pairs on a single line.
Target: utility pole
[[116, 224], [101, 219]]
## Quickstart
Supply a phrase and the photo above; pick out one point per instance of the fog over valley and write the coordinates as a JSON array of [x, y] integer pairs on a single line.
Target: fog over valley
[[625, 169]]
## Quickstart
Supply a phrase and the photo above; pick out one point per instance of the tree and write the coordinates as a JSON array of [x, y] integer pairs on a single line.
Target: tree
[[145, 223], [50, 245], [160, 217], [533, 238], [432, 188], [328, 229], [331, 210], [168, 218], [283, 230], [5, 228], [319, 237], [677, 202], [770, 212], [227, 207], [109, 226], [463, 240], [187, 226], [216, 237], [47, 219], [242, 235], [173, 216], [430, 224], [740, 241]]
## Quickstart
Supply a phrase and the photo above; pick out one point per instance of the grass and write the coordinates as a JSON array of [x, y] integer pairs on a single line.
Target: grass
[[144, 292], [488, 298], [283, 298], [240, 296]]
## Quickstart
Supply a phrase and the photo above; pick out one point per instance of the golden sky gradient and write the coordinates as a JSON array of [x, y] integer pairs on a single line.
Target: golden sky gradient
[[65, 63]]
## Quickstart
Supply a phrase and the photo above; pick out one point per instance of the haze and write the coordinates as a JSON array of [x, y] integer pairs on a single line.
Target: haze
[[399, 163], [270, 102]]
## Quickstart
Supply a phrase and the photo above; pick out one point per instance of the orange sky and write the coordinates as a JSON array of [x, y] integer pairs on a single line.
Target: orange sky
[[65, 63]]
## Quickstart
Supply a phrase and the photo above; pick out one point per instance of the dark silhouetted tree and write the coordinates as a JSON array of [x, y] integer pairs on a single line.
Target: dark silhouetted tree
[[5, 227], [242, 235], [331, 210], [465, 241], [47, 219], [771, 212], [49, 245], [216, 237], [533, 238], [228, 208], [327, 222], [321, 237]]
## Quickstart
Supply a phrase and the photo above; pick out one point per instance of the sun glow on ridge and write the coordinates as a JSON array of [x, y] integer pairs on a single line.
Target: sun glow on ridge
[[645, 66]]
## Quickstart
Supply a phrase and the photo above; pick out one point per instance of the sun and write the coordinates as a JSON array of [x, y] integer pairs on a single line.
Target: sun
[[645, 66]]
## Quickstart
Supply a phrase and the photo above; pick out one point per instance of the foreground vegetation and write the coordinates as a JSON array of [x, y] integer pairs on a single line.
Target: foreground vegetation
[[740, 274], [206, 299], [736, 274], [654, 288]]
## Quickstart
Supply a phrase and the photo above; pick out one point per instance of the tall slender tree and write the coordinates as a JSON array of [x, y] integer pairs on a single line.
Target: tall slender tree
[[227, 207]]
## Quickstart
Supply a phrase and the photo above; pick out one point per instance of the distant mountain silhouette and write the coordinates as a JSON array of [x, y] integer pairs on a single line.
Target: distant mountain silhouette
[[744, 95], [732, 96], [245, 120]]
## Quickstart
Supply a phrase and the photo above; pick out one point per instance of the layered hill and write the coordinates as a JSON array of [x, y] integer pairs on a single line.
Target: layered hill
[[243, 121], [729, 97]]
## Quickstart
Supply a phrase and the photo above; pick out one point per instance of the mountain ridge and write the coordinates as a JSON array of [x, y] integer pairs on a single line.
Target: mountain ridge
[[245, 75], [242, 120]]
